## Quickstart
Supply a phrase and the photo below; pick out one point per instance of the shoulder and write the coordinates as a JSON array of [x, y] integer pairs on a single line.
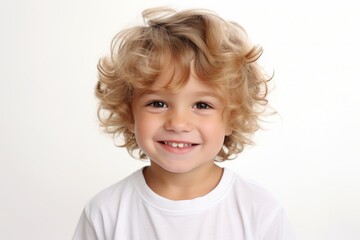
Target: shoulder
[[252, 188], [110, 197], [254, 196], [101, 212]]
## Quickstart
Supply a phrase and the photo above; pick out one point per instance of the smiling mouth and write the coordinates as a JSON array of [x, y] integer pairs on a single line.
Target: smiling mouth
[[178, 144]]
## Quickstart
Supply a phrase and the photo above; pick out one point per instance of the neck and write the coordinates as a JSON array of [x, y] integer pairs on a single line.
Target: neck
[[182, 186]]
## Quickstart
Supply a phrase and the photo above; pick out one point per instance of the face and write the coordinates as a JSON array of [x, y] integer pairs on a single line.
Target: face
[[180, 131]]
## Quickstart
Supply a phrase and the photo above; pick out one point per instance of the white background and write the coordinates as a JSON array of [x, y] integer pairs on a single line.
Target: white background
[[54, 157]]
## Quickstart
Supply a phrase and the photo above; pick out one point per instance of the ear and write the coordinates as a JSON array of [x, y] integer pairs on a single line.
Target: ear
[[131, 128], [228, 132], [228, 124]]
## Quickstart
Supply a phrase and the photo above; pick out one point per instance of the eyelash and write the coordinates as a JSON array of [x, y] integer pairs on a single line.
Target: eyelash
[[161, 104]]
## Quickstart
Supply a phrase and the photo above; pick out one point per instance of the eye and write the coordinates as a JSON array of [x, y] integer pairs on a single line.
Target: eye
[[202, 105], [157, 104]]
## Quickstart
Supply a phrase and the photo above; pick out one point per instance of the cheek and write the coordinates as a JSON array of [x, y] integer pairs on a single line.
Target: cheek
[[214, 128], [142, 134], [145, 125]]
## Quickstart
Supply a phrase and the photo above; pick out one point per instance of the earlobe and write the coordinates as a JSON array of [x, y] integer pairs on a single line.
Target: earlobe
[[228, 123], [131, 128], [228, 132]]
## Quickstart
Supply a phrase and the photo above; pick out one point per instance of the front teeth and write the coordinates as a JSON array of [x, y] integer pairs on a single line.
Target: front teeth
[[178, 145]]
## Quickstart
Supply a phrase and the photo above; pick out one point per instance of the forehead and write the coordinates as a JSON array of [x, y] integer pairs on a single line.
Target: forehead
[[192, 88], [175, 76]]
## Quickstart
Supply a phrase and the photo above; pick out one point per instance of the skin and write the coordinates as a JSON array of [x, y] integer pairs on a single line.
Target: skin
[[181, 133]]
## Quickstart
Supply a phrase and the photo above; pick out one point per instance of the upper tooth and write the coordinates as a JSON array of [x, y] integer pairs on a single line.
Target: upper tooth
[[179, 145]]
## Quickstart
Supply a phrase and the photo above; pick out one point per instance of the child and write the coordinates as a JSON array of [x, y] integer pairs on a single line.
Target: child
[[183, 91]]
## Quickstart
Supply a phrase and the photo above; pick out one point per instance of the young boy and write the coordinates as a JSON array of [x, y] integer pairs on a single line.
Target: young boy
[[183, 91]]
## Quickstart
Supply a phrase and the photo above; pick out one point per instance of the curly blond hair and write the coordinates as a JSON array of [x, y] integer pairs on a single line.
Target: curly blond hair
[[219, 52]]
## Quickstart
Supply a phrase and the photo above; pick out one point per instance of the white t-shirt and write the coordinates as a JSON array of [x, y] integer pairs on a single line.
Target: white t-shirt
[[235, 209]]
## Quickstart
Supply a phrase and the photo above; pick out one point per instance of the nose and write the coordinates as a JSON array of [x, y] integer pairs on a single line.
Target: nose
[[179, 121]]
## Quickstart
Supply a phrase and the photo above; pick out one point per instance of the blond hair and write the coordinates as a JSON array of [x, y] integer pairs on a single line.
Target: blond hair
[[221, 56]]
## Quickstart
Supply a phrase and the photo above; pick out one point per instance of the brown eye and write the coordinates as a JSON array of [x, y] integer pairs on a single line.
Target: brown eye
[[157, 104], [202, 105]]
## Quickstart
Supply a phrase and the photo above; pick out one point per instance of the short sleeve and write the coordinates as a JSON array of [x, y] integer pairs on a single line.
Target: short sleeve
[[85, 229], [278, 227]]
